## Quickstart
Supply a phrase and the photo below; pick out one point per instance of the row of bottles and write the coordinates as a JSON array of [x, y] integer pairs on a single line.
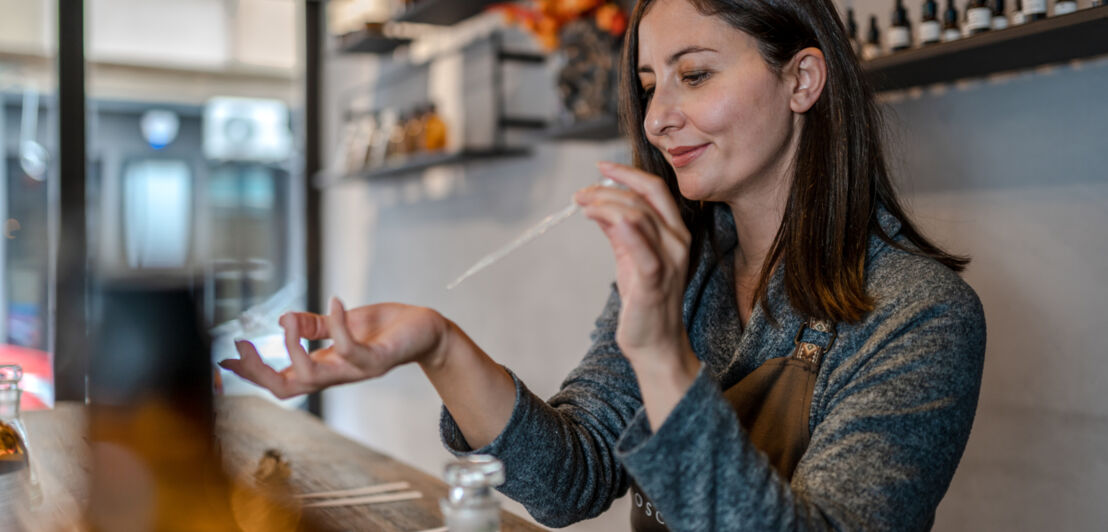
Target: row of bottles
[[978, 16], [387, 137]]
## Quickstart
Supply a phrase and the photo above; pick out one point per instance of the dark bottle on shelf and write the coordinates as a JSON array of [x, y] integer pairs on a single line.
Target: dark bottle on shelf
[[413, 132], [852, 31], [950, 23], [930, 31], [900, 31], [396, 145], [1000, 17], [1018, 18], [872, 48], [979, 17], [1034, 10], [1064, 7]]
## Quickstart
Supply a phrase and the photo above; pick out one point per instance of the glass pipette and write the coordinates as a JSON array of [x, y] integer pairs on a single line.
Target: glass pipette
[[527, 236]]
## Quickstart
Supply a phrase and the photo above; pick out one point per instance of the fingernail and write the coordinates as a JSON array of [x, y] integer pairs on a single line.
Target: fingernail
[[222, 363]]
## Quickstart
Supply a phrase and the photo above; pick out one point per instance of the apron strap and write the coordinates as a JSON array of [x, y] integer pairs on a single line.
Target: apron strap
[[813, 340]]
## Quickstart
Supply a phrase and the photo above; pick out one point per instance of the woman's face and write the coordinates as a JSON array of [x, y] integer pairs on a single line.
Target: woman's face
[[716, 111]]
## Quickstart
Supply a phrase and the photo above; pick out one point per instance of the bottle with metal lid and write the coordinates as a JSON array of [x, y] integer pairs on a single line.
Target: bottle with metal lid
[[470, 505], [15, 468]]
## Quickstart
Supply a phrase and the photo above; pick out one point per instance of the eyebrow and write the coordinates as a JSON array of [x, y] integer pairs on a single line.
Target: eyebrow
[[677, 55]]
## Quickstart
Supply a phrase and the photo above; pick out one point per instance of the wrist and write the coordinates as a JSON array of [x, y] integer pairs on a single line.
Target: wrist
[[673, 371], [435, 359]]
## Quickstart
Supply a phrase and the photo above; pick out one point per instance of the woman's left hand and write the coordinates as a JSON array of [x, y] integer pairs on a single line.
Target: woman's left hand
[[651, 247]]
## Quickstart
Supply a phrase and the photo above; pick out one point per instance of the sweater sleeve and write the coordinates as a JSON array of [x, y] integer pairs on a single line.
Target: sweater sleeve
[[559, 454], [891, 433]]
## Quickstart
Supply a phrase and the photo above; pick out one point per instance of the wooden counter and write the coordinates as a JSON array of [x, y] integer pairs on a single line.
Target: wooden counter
[[320, 460]]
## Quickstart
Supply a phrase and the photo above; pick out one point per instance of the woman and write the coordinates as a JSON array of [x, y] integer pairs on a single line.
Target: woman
[[783, 350]]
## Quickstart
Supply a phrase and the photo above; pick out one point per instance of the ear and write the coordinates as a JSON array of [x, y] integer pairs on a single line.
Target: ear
[[806, 74]]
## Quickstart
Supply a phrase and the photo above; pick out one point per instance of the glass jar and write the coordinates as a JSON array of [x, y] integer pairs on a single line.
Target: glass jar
[[14, 463], [470, 505]]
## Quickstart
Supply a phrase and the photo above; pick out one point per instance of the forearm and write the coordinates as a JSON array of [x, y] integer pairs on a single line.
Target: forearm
[[478, 392]]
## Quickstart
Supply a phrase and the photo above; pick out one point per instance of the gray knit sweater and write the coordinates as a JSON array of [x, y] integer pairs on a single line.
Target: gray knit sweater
[[890, 415]]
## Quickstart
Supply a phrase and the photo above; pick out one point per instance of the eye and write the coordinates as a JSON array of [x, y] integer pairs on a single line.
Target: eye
[[696, 78], [647, 93]]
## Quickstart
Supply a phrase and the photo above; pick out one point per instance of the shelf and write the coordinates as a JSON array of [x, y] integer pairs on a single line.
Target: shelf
[[443, 12], [1054, 40], [603, 128], [424, 161], [364, 42], [522, 123]]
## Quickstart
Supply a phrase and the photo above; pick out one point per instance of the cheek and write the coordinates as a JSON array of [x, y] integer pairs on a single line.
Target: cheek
[[746, 118]]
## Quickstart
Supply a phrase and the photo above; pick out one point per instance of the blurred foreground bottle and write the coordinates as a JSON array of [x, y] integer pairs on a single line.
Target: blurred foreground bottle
[[15, 468], [470, 505], [151, 422], [155, 464]]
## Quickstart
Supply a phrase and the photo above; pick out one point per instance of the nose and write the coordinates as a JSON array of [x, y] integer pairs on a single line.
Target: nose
[[663, 113]]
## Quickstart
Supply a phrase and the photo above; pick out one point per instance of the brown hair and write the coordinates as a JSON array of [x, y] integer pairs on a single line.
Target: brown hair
[[841, 174]]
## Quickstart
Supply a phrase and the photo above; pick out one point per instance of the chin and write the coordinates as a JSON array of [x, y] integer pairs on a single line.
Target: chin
[[693, 186]]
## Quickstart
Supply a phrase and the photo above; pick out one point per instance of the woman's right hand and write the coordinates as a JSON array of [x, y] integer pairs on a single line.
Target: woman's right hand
[[368, 342]]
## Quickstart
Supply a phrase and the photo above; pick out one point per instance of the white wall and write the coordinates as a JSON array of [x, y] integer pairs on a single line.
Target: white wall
[[1010, 171]]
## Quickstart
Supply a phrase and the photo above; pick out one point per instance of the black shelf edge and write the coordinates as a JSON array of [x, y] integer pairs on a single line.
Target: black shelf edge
[[443, 12], [425, 161], [514, 122], [363, 42], [602, 128], [1059, 39], [522, 57]]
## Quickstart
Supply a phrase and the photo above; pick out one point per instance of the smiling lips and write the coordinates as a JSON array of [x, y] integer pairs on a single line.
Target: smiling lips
[[685, 155]]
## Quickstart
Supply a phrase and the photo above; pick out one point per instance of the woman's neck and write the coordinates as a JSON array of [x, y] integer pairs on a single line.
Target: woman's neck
[[758, 218]]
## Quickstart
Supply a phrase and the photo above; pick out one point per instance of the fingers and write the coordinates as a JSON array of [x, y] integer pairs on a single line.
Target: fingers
[[311, 326], [301, 362], [634, 234], [251, 367], [649, 186], [340, 333]]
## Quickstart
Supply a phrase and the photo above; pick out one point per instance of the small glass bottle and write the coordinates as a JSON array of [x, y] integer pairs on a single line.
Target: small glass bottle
[[1000, 16], [1064, 7], [872, 48], [434, 130], [979, 17], [930, 31], [852, 32], [1018, 18], [413, 132], [470, 505], [15, 471], [950, 23], [13, 438], [1034, 10], [899, 36]]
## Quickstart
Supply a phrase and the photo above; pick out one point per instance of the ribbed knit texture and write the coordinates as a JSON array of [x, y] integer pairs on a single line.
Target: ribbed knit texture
[[890, 415]]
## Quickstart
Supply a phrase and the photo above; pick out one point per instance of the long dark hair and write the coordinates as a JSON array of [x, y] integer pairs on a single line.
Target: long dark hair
[[841, 175]]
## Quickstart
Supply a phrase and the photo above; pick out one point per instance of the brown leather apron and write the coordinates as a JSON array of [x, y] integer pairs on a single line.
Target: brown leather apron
[[773, 404]]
